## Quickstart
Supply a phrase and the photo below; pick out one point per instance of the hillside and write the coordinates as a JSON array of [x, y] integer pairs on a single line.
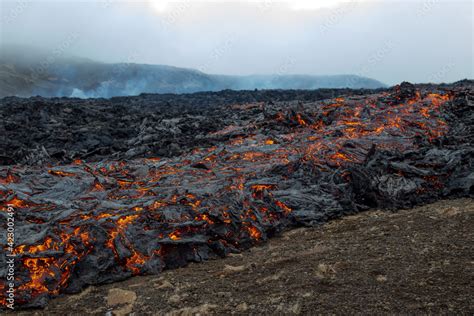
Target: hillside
[[50, 75]]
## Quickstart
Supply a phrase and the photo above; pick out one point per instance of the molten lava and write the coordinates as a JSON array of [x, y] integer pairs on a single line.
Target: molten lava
[[105, 221]]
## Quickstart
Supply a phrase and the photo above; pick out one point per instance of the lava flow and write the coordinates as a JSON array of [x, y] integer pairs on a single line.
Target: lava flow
[[292, 164]]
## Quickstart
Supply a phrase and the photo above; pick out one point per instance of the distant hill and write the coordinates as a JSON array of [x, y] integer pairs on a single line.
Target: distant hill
[[29, 72]]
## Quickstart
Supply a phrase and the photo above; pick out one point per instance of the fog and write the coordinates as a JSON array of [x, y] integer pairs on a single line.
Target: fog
[[418, 41]]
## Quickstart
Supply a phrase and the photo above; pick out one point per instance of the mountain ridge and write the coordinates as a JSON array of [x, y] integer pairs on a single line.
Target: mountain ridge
[[56, 75]]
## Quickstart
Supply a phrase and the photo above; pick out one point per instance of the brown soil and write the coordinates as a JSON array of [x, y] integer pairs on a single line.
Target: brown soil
[[413, 261]]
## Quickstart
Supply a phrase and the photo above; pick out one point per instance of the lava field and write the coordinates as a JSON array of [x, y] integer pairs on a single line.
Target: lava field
[[157, 187]]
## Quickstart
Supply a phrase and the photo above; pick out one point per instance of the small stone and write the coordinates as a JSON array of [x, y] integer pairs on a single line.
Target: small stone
[[242, 307], [119, 296], [164, 285], [235, 255], [122, 301], [232, 269], [381, 278], [295, 308], [174, 299]]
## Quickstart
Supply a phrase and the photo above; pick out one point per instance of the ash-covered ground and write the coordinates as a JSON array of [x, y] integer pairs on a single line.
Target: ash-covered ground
[[166, 180]]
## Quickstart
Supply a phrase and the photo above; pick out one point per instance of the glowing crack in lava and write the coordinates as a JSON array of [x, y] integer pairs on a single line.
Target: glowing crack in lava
[[91, 223]]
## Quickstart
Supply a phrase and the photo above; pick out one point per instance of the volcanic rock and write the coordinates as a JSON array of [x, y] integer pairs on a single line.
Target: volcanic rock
[[103, 218]]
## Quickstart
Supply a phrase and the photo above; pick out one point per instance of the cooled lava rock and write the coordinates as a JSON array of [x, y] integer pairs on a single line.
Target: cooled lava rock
[[265, 167]]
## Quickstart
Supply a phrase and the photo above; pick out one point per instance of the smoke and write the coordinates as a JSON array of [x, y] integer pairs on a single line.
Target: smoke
[[108, 89]]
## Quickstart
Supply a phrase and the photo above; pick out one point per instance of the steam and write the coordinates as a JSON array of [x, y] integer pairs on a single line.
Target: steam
[[108, 89]]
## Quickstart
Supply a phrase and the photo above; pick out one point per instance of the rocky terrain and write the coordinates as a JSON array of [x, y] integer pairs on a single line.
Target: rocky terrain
[[218, 174], [60, 130], [409, 262]]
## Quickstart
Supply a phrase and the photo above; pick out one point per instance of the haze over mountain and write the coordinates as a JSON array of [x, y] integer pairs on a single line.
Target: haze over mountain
[[54, 75], [392, 41]]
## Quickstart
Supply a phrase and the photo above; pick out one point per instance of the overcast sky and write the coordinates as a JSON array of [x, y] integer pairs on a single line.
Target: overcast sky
[[392, 41]]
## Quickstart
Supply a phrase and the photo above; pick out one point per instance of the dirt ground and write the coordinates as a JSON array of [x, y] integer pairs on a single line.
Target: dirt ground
[[411, 261]]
